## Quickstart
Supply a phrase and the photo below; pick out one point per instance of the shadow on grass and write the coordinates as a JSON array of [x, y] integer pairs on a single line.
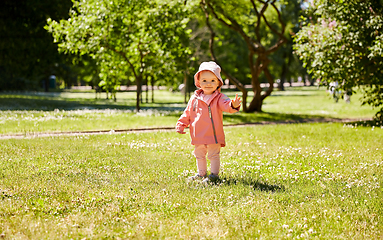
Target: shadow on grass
[[173, 109], [367, 123], [47, 104], [248, 118], [256, 184]]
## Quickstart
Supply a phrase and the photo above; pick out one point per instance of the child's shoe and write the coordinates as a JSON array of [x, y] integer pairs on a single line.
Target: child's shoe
[[195, 177], [211, 178]]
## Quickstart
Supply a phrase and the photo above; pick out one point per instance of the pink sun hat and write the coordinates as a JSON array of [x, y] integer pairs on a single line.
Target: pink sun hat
[[208, 66]]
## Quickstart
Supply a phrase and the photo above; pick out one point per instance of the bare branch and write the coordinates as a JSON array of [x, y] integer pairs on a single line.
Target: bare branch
[[211, 46], [234, 25], [276, 46], [255, 7], [279, 16], [220, 19], [254, 69], [259, 16], [270, 80], [235, 81], [280, 20], [261, 62]]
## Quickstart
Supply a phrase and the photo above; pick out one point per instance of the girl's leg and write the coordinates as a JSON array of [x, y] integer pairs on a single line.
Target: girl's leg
[[200, 155], [213, 155]]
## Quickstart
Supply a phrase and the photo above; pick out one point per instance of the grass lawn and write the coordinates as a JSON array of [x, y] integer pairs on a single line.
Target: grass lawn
[[25, 113], [310, 181]]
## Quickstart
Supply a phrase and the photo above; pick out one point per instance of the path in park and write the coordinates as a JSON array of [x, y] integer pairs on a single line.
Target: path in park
[[159, 129]]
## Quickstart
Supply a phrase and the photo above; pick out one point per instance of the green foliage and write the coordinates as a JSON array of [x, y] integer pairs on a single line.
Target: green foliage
[[28, 55], [126, 37], [261, 28], [343, 42]]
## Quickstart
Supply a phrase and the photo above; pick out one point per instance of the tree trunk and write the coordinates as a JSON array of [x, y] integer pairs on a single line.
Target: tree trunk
[[254, 46], [244, 100], [281, 86], [46, 85], [139, 89], [270, 79], [256, 69], [147, 90], [152, 86], [255, 104]]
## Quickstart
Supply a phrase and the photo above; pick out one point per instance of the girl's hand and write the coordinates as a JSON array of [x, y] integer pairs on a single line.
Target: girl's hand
[[181, 132], [235, 103]]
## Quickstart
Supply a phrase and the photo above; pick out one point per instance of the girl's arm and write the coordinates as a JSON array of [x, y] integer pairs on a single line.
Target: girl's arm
[[184, 120], [230, 106]]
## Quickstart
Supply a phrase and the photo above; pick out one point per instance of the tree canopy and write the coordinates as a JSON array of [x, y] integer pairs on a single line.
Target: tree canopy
[[124, 37], [343, 41], [27, 53], [263, 30]]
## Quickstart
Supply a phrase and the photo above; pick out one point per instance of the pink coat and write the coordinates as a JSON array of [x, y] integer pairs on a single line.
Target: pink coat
[[205, 127]]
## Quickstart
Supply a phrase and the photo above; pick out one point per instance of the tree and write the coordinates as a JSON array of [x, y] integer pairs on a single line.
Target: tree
[[112, 69], [28, 55], [250, 19], [127, 33], [288, 63], [343, 42]]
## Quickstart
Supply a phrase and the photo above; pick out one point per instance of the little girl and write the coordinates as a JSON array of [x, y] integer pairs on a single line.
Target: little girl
[[204, 116]]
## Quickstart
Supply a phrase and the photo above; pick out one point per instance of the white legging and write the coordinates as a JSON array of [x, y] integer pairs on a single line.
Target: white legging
[[212, 151]]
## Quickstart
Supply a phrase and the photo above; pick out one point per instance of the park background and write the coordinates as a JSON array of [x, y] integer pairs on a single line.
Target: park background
[[90, 92]]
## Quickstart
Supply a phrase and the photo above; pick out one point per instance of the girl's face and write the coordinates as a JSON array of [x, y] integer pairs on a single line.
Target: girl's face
[[208, 81]]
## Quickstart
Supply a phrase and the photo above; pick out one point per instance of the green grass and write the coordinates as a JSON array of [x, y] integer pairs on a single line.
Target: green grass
[[314, 101], [310, 181], [75, 111]]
